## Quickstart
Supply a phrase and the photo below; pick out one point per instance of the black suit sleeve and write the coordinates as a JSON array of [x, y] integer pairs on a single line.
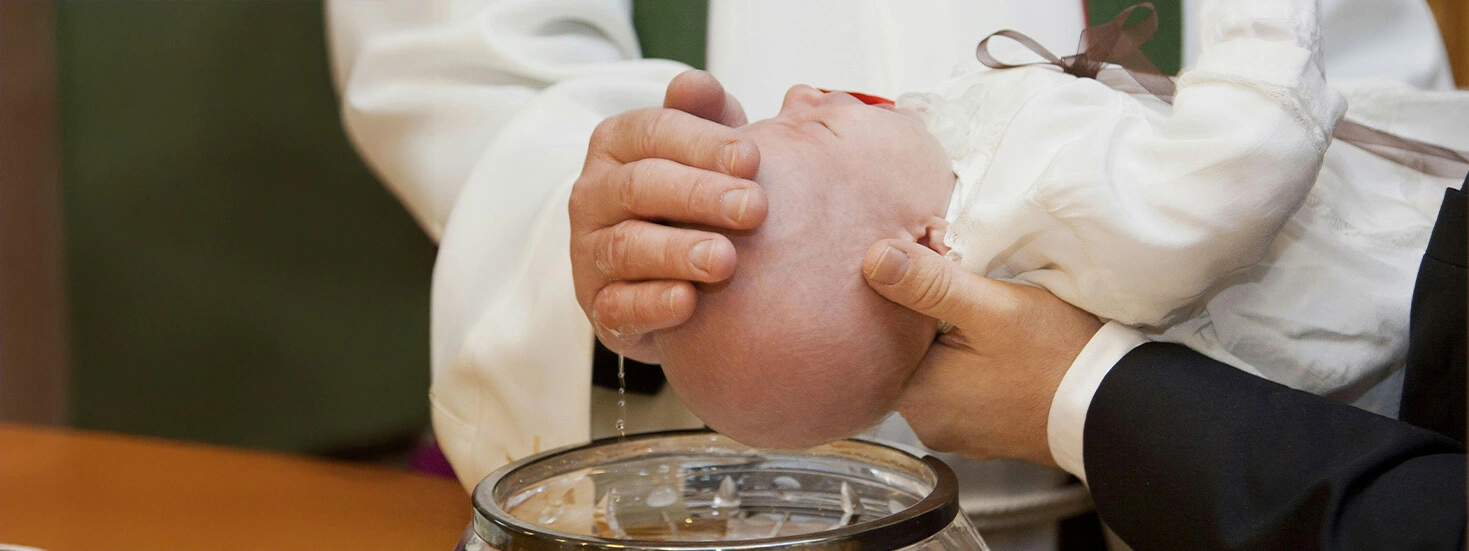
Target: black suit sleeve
[[1183, 452]]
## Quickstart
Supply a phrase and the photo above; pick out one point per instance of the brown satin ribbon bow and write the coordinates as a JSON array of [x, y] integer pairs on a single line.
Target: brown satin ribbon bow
[[1112, 49]]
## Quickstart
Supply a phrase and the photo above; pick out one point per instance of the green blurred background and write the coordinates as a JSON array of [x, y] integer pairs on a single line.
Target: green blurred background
[[235, 274]]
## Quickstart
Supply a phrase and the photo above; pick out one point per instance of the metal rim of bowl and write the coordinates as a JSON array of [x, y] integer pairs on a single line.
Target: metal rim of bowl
[[921, 521]]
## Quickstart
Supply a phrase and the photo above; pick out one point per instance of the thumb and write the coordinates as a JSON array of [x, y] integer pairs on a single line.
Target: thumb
[[700, 94], [918, 278]]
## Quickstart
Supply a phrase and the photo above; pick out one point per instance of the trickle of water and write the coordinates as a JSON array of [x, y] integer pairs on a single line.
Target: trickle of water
[[621, 398], [851, 505], [727, 495], [662, 496]]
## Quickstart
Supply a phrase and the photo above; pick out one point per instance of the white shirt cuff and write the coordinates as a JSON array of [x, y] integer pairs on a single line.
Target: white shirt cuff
[[1067, 420]]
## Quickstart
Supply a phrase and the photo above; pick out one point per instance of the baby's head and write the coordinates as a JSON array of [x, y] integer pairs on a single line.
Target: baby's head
[[795, 349]]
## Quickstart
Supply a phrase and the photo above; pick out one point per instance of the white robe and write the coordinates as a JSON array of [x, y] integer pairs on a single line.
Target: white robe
[[476, 113]]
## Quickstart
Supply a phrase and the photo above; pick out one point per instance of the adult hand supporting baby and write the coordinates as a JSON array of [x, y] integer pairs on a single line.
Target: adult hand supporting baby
[[683, 163], [985, 387]]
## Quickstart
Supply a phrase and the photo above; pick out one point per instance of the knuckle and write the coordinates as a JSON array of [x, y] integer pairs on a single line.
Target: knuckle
[[652, 130], [932, 287], [698, 187], [627, 186], [604, 133], [605, 267], [576, 204], [614, 248], [574, 207], [676, 253], [639, 311], [627, 252], [610, 318]]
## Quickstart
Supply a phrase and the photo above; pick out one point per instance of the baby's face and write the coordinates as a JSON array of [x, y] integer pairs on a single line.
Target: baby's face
[[795, 349]]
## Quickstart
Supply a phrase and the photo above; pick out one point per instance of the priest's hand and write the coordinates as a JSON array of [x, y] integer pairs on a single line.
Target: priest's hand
[[682, 163], [985, 387]]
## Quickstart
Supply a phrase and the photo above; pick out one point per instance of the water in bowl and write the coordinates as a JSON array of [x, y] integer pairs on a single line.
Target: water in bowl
[[659, 499]]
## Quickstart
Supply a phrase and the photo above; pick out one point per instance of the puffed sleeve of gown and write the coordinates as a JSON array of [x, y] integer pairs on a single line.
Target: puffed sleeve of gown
[[477, 115], [1118, 204]]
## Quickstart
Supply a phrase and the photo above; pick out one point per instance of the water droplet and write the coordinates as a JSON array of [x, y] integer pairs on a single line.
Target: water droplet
[[727, 496], [787, 483], [662, 496], [621, 398]]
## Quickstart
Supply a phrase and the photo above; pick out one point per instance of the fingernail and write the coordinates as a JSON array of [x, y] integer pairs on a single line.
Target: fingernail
[[702, 254], [727, 156], [890, 267], [668, 300], [733, 203]]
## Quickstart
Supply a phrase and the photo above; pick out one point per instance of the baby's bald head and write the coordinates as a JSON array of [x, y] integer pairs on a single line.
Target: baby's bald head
[[795, 349]]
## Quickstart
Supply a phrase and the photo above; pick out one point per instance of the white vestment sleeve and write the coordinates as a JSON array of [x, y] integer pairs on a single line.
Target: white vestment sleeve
[[1381, 42], [477, 115], [1384, 42]]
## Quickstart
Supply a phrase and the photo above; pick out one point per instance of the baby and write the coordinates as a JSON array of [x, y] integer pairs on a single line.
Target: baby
[[796, 349], [1186, 220]]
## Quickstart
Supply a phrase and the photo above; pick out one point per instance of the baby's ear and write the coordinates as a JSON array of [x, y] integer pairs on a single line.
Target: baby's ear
[[933, 236]]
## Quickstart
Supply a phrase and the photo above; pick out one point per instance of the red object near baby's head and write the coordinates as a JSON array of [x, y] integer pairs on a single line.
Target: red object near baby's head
[[868, 99]]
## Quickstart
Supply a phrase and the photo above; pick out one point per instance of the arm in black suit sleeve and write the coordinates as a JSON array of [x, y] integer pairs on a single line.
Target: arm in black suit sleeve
[[1183, 452]]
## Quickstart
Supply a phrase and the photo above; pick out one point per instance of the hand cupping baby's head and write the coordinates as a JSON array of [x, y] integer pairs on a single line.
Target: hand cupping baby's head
[[795, 349]]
